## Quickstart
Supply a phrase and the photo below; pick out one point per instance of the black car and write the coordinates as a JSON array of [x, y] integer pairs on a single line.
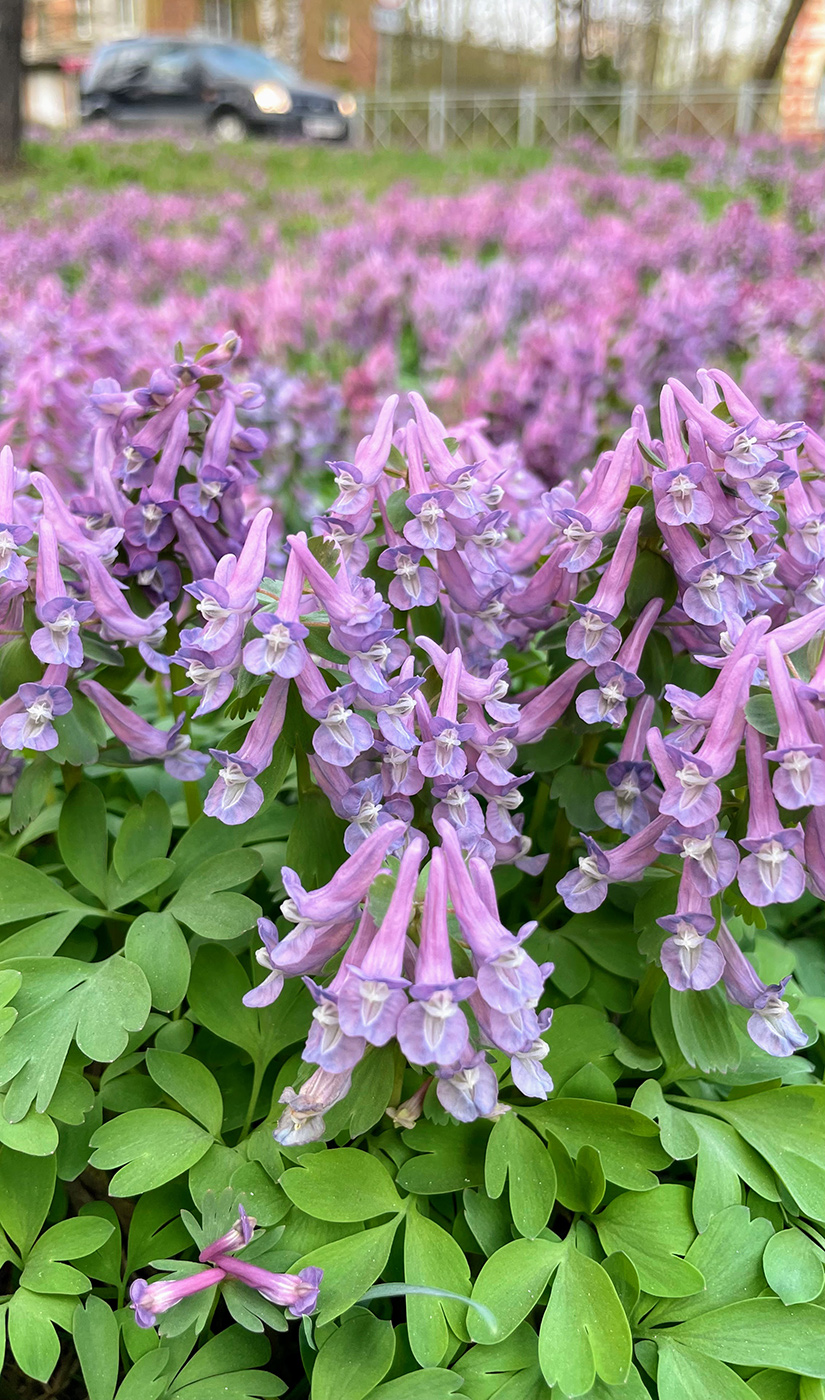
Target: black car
[[230, 89]]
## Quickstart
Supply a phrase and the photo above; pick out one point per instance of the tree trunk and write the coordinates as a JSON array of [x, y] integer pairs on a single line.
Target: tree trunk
[[11, 34], [770, 67]]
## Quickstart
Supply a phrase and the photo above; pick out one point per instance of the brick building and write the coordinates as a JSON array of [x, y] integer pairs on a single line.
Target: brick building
[[802, 94]]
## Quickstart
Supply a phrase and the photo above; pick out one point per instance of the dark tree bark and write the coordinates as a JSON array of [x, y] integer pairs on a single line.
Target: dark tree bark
[[770, 67], [11, 35]]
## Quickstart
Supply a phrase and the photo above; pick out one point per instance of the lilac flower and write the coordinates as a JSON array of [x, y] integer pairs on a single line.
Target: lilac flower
[[771, 1026], [625, 807], [339, 899], [585, 888], [593, 638], [369, 666], [506, 975], [235, 796], [618, 681], [529, 1075], [407, 1114], [714, 859], [457, 805], [119, 622], [771, 873], [12, 567], [468, 1089], [211, 676], [57, 642], [679, 497], [372, 997], [363, 806], [236, 1238], [224, 600], [327, 1045], [302, 1120], [149, 1300], [689, 958], [395, 711], [341, 734], [356, 482], [441, 756], [542, 711], [414, 585], [298, 1293], [692, 794], [143, 740], [799, 781], [280, 650], [433, 1029], [33, 729], [490, 691]]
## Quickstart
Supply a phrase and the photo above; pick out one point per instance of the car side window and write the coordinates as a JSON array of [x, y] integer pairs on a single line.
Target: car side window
[[172, 70]]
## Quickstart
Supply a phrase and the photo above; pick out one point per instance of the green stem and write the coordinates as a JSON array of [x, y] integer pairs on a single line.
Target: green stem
[[557, 864], [303, 772], [257, 1080], [192, 798]]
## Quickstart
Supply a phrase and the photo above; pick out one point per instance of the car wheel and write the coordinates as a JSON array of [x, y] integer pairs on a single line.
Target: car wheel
[[229, 128]]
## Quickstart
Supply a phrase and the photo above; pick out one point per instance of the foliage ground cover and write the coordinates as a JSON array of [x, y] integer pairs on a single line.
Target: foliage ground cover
[[412, 871]]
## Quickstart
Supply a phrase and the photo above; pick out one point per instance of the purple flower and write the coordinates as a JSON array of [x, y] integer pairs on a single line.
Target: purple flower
[[298, 1293], [372, 997], [302, 1120], [529, 1075], [235, 796], [689, 958], [279, 650], [585, 888], [799, 781], [57, 642], [341, 734], [457, 805], [143, 740], [327, 1045], [714, 859], [434, 1030], [237, 1237], [771, 873], [691, 793], [541, 712], [33, 729], [429, 529], [339, 899], [414, 585], [469, 1089], [771, 1026], [149, 1300], [211, 676], [679, 497]]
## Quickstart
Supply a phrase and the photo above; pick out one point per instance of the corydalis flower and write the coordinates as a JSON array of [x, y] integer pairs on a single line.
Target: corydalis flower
[[690, 959], [34, 728], [771, 872], [433, 1029], [303, 1117], [150, 1300], [771, 1026]]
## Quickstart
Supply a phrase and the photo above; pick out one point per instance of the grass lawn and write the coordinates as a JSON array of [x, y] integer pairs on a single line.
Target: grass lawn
[[257, 169]]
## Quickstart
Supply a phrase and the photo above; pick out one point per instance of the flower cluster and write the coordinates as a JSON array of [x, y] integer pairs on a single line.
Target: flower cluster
[[438, 562], [298, 1293]]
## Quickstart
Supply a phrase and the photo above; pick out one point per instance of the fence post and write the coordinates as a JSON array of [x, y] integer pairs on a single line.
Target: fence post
[[628, 120], [743, 121], [526, 117], [358, 125], [436, 120]]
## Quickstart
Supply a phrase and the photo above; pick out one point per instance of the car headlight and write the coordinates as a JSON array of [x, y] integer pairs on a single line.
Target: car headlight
[[272, 98], [347, 105]]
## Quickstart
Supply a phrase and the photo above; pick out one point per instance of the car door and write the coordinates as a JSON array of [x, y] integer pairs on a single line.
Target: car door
[[172, 86]]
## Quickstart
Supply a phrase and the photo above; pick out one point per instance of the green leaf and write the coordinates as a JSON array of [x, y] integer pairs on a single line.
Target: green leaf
[[652, 577], [26, 1190], [516, 1152], [627, 1142], [356, 1357], [71, 1239], [32, 1337], [315, 846], [31, 789], [432, 1258], [342, 1185], [761, 1332], [760, 712], [95, 1334], [200, 906], [80, 733], [350, 1265], [146, 1379], [653, 1229], [609, 939], [729, 1257], [144, 835], [115, 1000], [724, 1161], [455, 1157], [26, 893], [430, 1384], [584, 1332], [150, 1145], [82, 837], [223, 1359], [397, 512], [190, 1084], [216, 990], [510, 1285], [155, 943], [787, 1127], [793, 1266], [145, 880], [575, 788], [34, 1134], [704, 1029], [683, 1374]]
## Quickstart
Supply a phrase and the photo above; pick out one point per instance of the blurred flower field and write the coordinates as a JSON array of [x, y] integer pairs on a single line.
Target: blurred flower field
[[548, 303]]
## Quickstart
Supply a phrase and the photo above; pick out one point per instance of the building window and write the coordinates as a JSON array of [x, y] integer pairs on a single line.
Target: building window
[[217, 18], [83, 19], [126, 14], [335, 45]]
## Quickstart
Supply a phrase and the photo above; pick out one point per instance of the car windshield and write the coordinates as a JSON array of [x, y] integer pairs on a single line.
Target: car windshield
[[245, 65]]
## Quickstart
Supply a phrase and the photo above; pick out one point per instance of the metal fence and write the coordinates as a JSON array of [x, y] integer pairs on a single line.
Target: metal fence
[[621, 120]]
